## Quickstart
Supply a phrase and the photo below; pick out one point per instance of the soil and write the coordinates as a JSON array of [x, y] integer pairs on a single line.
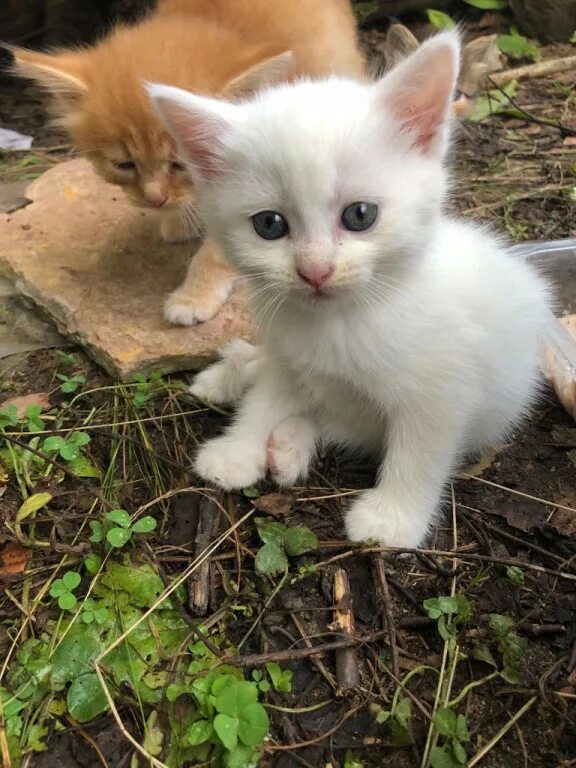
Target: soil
[[519, 174]]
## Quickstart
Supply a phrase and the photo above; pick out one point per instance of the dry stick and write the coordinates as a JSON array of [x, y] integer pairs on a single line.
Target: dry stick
[[502, 732], [347, 671], [258, 659], [326, 674], [384, 595], [541, 69], [199, 587]]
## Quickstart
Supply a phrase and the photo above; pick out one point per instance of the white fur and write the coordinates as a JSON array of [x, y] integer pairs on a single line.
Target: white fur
[[425, 346]]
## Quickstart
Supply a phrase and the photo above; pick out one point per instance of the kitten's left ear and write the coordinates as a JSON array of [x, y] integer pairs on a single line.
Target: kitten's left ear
[[197, 124], [266, 72], [419, 92]]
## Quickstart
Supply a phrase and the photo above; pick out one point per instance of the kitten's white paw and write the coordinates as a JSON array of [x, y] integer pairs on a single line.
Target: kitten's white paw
[[184, 307], [226, 381], [173, 228], [371, 517], [231, 464], [290, 450]]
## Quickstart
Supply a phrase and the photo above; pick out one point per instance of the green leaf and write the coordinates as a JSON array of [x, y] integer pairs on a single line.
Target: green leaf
[[462, 729], [101, 615], [69, 452], [9, 416], [445, 632], [79, 438], [573, 39], [199, 732], [83, 467], [271, 560], [440, 20], [511, 676], [432, 608], [281, 680], [515, 575], [32, 504], [232, 695], [53, 443], [71, 580], [144, 525], [93, 562], [117, 537], [88, 617], [441, 757], [264, 686], [119, 517], [488, 5], [86, 699], [226, 728], [58, 588], [403, 712], [97, 531], [445, 721], [298, 540], [254, 724], [500, 624], [481, 652], [270, 532], [75, 654], [67, 601], [251, 493], [448, 604], [459, 752], [518, 47]]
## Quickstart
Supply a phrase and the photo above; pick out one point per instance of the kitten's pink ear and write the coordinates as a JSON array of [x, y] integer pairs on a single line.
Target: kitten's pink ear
[[196, 123], [419, 92]]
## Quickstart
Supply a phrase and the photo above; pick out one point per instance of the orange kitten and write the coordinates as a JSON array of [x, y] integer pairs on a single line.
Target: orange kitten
[[226, 47]]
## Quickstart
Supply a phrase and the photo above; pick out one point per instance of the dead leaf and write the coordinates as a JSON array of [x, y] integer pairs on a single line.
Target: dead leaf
[[480, 58], [23, 401], [13, 559], [569, 141], [523, 515], [564, 522], [476, 470], [275, 504]]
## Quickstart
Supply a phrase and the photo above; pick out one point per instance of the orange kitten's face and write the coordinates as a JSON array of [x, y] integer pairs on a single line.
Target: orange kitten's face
[[135, 153]]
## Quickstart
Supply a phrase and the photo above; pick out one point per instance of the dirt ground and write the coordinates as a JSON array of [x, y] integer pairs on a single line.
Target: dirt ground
[[506, 544]]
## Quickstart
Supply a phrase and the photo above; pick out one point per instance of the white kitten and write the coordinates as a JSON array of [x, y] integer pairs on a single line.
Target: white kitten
[[385, 325]]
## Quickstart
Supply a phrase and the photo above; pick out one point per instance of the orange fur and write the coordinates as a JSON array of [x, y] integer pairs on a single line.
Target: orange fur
[[204, 46]]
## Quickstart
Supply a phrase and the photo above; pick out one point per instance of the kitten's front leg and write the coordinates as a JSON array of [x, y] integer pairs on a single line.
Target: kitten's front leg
[[239, 457], [205, 289], [230, 378], [422, 450]]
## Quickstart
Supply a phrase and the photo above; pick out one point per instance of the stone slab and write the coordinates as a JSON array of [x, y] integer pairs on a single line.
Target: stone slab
[[97, 267]]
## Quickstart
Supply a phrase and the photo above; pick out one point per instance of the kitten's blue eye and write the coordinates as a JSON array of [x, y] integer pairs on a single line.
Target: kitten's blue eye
[[359, 216], [270, 225], [126, 165]]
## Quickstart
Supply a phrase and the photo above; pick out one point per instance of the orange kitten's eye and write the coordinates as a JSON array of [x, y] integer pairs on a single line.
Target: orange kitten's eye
[[126, 165], [174, 166]]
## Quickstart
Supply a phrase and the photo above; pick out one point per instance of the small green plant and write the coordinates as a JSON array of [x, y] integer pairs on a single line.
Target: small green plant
[[66, 358], [488, 5], [515, 575], [8, 416], [93, 611], [281, 679], [70, 383], [146, 387], [517, 47], [352, 762], [279, 543], [454, 729], [68, 448], [510, 646], [118, 528], [64, 588], [398, 719], [451, 613]]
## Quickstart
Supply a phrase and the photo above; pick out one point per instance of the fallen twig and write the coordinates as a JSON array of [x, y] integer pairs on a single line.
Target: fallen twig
[[502, 732], [347, 671], [383, 592], [540, 69]]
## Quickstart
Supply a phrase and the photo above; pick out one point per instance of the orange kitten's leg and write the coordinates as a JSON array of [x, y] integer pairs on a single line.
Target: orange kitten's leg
[[207, 286], [173, 227]]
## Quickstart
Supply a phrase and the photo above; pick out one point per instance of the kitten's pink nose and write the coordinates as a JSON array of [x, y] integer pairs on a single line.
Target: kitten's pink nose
[[315, 274], [157, 200]]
